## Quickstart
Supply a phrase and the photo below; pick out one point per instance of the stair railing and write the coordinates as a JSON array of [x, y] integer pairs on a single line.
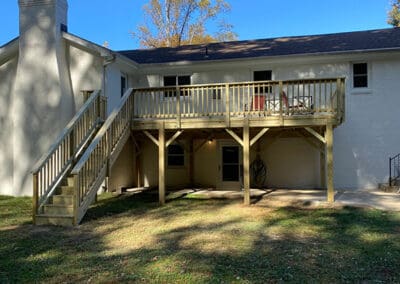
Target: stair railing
[[52, 167], [94, 165], [394, 169]]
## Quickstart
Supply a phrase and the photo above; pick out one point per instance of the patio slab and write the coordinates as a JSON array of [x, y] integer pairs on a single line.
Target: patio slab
[[303, 197]]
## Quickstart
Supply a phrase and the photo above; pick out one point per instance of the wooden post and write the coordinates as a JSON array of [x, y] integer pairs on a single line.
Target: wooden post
[[191, 163], [35, 197], [227, 107], [329, 162], [281, 101], [161, 165], [138, 172], [322, 170], [76, 200], [246, 162], [178, 107]]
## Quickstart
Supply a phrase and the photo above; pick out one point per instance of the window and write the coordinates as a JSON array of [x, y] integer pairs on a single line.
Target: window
[[176, 155], [360, 75], [123, 85], [175, 81], [265, 75]]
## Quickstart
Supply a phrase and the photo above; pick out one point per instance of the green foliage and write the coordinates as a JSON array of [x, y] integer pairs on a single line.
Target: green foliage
[[171, 23], [394, 14]]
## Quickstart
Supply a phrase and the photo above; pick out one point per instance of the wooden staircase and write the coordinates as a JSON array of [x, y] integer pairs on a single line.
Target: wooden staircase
[[60, 208], [67, 178]]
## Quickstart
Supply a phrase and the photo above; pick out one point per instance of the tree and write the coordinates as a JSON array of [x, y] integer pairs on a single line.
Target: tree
[[394, 14], [171, 23]]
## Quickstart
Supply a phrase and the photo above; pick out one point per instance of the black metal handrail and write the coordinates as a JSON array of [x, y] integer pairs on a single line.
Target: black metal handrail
[[394, 169]]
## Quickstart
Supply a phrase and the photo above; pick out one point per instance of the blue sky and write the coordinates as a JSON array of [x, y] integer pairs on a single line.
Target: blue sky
[[112, 20]]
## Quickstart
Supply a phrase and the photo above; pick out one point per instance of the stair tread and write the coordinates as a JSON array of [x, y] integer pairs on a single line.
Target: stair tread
[[60, 205], [54, 215]]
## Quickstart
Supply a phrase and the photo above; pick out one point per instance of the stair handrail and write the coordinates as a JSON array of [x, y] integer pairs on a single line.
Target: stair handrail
[[92, 167], [52, 166], [394, 162]]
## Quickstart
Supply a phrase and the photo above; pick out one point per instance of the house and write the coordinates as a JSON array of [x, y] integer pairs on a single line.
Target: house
[[296, 112]]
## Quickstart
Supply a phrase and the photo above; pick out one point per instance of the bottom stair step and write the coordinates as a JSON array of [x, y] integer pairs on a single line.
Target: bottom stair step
[[58, 220], [56, 209]]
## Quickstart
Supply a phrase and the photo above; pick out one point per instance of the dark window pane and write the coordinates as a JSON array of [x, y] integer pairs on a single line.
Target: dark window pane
[[176, 155], [230, 155], [169, 80], [217, 94], [263, 75], [360, 68], [230, 173], [123, 85], [183, 80], [175, 149], [360, 81], [176, 161]]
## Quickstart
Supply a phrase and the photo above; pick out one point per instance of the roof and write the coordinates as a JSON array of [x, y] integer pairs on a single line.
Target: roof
[[101, 50], [9, 50], [384, 39]]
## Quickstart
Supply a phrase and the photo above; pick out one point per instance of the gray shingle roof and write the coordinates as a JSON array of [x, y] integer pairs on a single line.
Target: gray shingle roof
[[297, 45]]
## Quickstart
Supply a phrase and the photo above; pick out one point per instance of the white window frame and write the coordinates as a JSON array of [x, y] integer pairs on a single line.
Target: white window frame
[[176, 82], [361, 90], [184, 157], [123, 75]]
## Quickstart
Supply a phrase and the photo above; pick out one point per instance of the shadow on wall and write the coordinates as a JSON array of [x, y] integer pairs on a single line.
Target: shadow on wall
[[85, 71], [8, 72], [41, 107]]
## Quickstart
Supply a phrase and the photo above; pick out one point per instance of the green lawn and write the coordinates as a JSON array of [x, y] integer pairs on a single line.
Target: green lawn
[[132, 239]]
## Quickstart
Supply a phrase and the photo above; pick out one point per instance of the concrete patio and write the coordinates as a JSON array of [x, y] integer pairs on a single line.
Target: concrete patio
[[303, 197]]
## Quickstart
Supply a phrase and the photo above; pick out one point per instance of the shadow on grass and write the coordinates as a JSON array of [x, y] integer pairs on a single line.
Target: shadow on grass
[[131, 239]]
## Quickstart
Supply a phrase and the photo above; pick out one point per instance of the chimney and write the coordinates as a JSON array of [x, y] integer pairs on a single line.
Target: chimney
[[42, 100]]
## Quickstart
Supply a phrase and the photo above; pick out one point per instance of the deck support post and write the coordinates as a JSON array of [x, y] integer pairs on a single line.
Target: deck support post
[[161, 165], [191, 162], [138, 171], [246, 162], [329, 162], [322, 170]]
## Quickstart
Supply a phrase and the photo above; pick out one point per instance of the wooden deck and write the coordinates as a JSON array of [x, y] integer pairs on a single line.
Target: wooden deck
[[317, 105], [292, 103]]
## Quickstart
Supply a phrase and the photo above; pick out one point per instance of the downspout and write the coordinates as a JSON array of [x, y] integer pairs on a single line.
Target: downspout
[[107, 61]]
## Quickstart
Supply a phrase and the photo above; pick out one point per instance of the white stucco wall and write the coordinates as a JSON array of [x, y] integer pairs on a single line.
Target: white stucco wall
[[370, 134], [86, 72], [290, 162], [8, 72]]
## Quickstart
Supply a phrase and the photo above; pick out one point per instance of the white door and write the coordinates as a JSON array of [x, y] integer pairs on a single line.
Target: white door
[[230, 163]]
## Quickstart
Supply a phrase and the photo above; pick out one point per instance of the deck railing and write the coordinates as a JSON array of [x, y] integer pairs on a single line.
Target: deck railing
[[92, 168], [49, 170], [265, 98]]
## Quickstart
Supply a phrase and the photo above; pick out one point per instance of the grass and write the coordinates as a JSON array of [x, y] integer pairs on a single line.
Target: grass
[[132, 239]]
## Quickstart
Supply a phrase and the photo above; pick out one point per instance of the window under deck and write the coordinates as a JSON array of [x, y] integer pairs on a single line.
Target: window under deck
[[307, 102]]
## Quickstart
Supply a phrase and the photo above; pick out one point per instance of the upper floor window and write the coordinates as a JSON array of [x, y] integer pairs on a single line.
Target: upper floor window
[[123, 85], [360, 75], [265, 75], [175, 81]]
